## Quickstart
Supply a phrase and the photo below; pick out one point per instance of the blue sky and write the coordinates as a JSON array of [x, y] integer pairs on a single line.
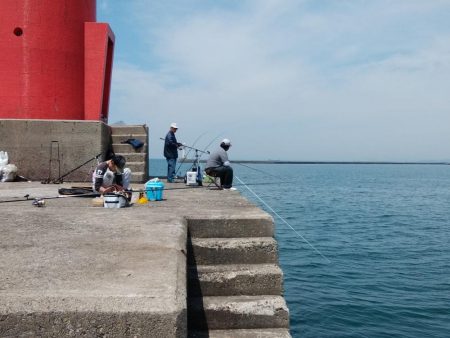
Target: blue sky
[[347, 80]]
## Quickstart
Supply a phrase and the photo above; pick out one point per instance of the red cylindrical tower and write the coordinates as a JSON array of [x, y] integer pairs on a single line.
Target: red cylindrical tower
[[42, 58]]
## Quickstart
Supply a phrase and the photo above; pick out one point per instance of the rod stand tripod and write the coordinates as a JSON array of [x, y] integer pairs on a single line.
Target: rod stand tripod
[[196, 164]]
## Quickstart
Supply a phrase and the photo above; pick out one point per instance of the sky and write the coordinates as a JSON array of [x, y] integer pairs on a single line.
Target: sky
[[305, 80]]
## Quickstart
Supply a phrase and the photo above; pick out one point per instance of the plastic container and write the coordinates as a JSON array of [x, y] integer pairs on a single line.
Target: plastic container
[[114, 201], [191, 178], [154, 190]]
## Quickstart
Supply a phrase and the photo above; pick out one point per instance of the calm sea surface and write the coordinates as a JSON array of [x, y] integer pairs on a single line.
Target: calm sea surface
[[384, 231]]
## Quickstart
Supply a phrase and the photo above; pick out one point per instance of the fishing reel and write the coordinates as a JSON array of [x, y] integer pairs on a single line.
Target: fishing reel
[[39, 202]]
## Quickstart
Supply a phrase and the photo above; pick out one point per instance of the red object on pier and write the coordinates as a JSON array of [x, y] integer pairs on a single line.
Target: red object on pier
[[55, 60]]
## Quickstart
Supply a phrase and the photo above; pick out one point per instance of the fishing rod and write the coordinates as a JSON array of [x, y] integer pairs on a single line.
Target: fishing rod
[[160, 188], [197, 156], [284, 221], [38, 199], [189, 147], [199, 187], [60, 178], [196, 164], [207, 146], [189, 151], [93, 194]]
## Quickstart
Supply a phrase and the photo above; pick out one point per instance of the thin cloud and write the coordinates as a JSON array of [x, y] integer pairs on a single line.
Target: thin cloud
[[347, 80]]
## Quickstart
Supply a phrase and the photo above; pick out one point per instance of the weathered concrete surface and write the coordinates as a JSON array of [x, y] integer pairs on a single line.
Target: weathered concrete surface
[[248, 333], [28, 144], [240, 312], [257, 250], [219, 227], [229, 280], [72, 269]]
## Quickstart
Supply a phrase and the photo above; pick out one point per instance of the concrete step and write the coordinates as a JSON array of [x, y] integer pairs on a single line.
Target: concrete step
[[240, 312], [139, 177], [213, 251], [253, 333], [136, 166], [126, 130], [127, 148], [118, 139], [219, 227], [233, 280], [134, 157]]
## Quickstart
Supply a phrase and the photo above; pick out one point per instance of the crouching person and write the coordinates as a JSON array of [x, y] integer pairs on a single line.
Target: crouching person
[[111, 176]]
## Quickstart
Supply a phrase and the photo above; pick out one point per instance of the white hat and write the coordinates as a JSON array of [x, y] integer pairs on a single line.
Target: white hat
[[226, 142], [174, 125]]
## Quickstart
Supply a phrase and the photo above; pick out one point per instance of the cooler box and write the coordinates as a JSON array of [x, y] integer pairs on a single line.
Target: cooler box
[[154, 190]]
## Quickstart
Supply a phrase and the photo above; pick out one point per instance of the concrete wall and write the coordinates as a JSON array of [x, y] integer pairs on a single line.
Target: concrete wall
[[29, 146]]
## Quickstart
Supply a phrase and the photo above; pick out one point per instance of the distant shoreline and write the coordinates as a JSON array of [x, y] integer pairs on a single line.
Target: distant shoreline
[[338, 162], [319, 162]]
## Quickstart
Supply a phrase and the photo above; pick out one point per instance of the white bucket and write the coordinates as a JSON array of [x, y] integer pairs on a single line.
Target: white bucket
[[114, 201], [191, 178]]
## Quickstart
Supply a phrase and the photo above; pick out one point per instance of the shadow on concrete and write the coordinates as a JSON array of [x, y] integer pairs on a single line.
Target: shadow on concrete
[[197, 323]]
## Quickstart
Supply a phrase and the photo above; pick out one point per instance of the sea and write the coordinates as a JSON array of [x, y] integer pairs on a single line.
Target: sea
[[365, 248]]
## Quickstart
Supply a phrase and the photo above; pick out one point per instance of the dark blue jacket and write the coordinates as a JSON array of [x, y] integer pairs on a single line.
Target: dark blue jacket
[[170, 146]]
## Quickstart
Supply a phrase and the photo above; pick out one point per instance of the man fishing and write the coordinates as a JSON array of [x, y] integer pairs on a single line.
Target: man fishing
[[171, 151], [218, 165], [111, 175]]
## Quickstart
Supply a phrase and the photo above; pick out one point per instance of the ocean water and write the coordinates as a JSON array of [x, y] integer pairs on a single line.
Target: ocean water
[[378, 259]]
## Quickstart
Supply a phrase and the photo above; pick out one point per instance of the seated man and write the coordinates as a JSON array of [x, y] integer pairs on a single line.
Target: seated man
[[110, 176], [218, 165]]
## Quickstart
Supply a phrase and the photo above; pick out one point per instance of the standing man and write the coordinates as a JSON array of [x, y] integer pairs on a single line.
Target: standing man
[[111, 175], [171, 151], [218, 165]]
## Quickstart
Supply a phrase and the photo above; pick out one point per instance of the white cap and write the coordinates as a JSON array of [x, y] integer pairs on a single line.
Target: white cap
[[174, 125], [226, 142]]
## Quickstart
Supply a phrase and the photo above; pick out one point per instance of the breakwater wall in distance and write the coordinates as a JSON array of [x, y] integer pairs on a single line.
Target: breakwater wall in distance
[[326, 162], [200, 263]]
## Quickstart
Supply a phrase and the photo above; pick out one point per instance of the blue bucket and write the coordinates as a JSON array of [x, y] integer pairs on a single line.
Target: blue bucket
[[154, 190]]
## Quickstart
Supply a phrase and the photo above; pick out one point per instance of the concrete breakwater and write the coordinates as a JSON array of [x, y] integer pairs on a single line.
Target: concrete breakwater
[[201, 263]]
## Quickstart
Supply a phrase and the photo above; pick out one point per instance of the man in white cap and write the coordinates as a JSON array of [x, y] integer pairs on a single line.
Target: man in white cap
[[171, 151], [218, 165]]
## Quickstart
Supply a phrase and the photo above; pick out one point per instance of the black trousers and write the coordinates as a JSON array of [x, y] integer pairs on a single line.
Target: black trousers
[[225, 173]]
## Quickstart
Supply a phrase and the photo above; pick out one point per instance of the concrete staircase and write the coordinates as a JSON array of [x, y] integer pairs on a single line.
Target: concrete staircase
[[235, 285], [137, 159]]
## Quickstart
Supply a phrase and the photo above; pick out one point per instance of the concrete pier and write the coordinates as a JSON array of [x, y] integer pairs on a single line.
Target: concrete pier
[[71, 269]]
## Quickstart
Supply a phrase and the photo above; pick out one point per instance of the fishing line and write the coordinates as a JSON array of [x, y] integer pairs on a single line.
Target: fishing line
[[197, 156], [261, 171], [284, 221], [263, 183], [188, 152], [223, 132]]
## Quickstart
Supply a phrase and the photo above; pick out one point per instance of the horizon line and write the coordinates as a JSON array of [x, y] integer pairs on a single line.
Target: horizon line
[[323, 162]]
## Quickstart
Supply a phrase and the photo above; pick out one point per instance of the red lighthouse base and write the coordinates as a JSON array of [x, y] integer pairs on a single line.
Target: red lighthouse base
[[55, 61]]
